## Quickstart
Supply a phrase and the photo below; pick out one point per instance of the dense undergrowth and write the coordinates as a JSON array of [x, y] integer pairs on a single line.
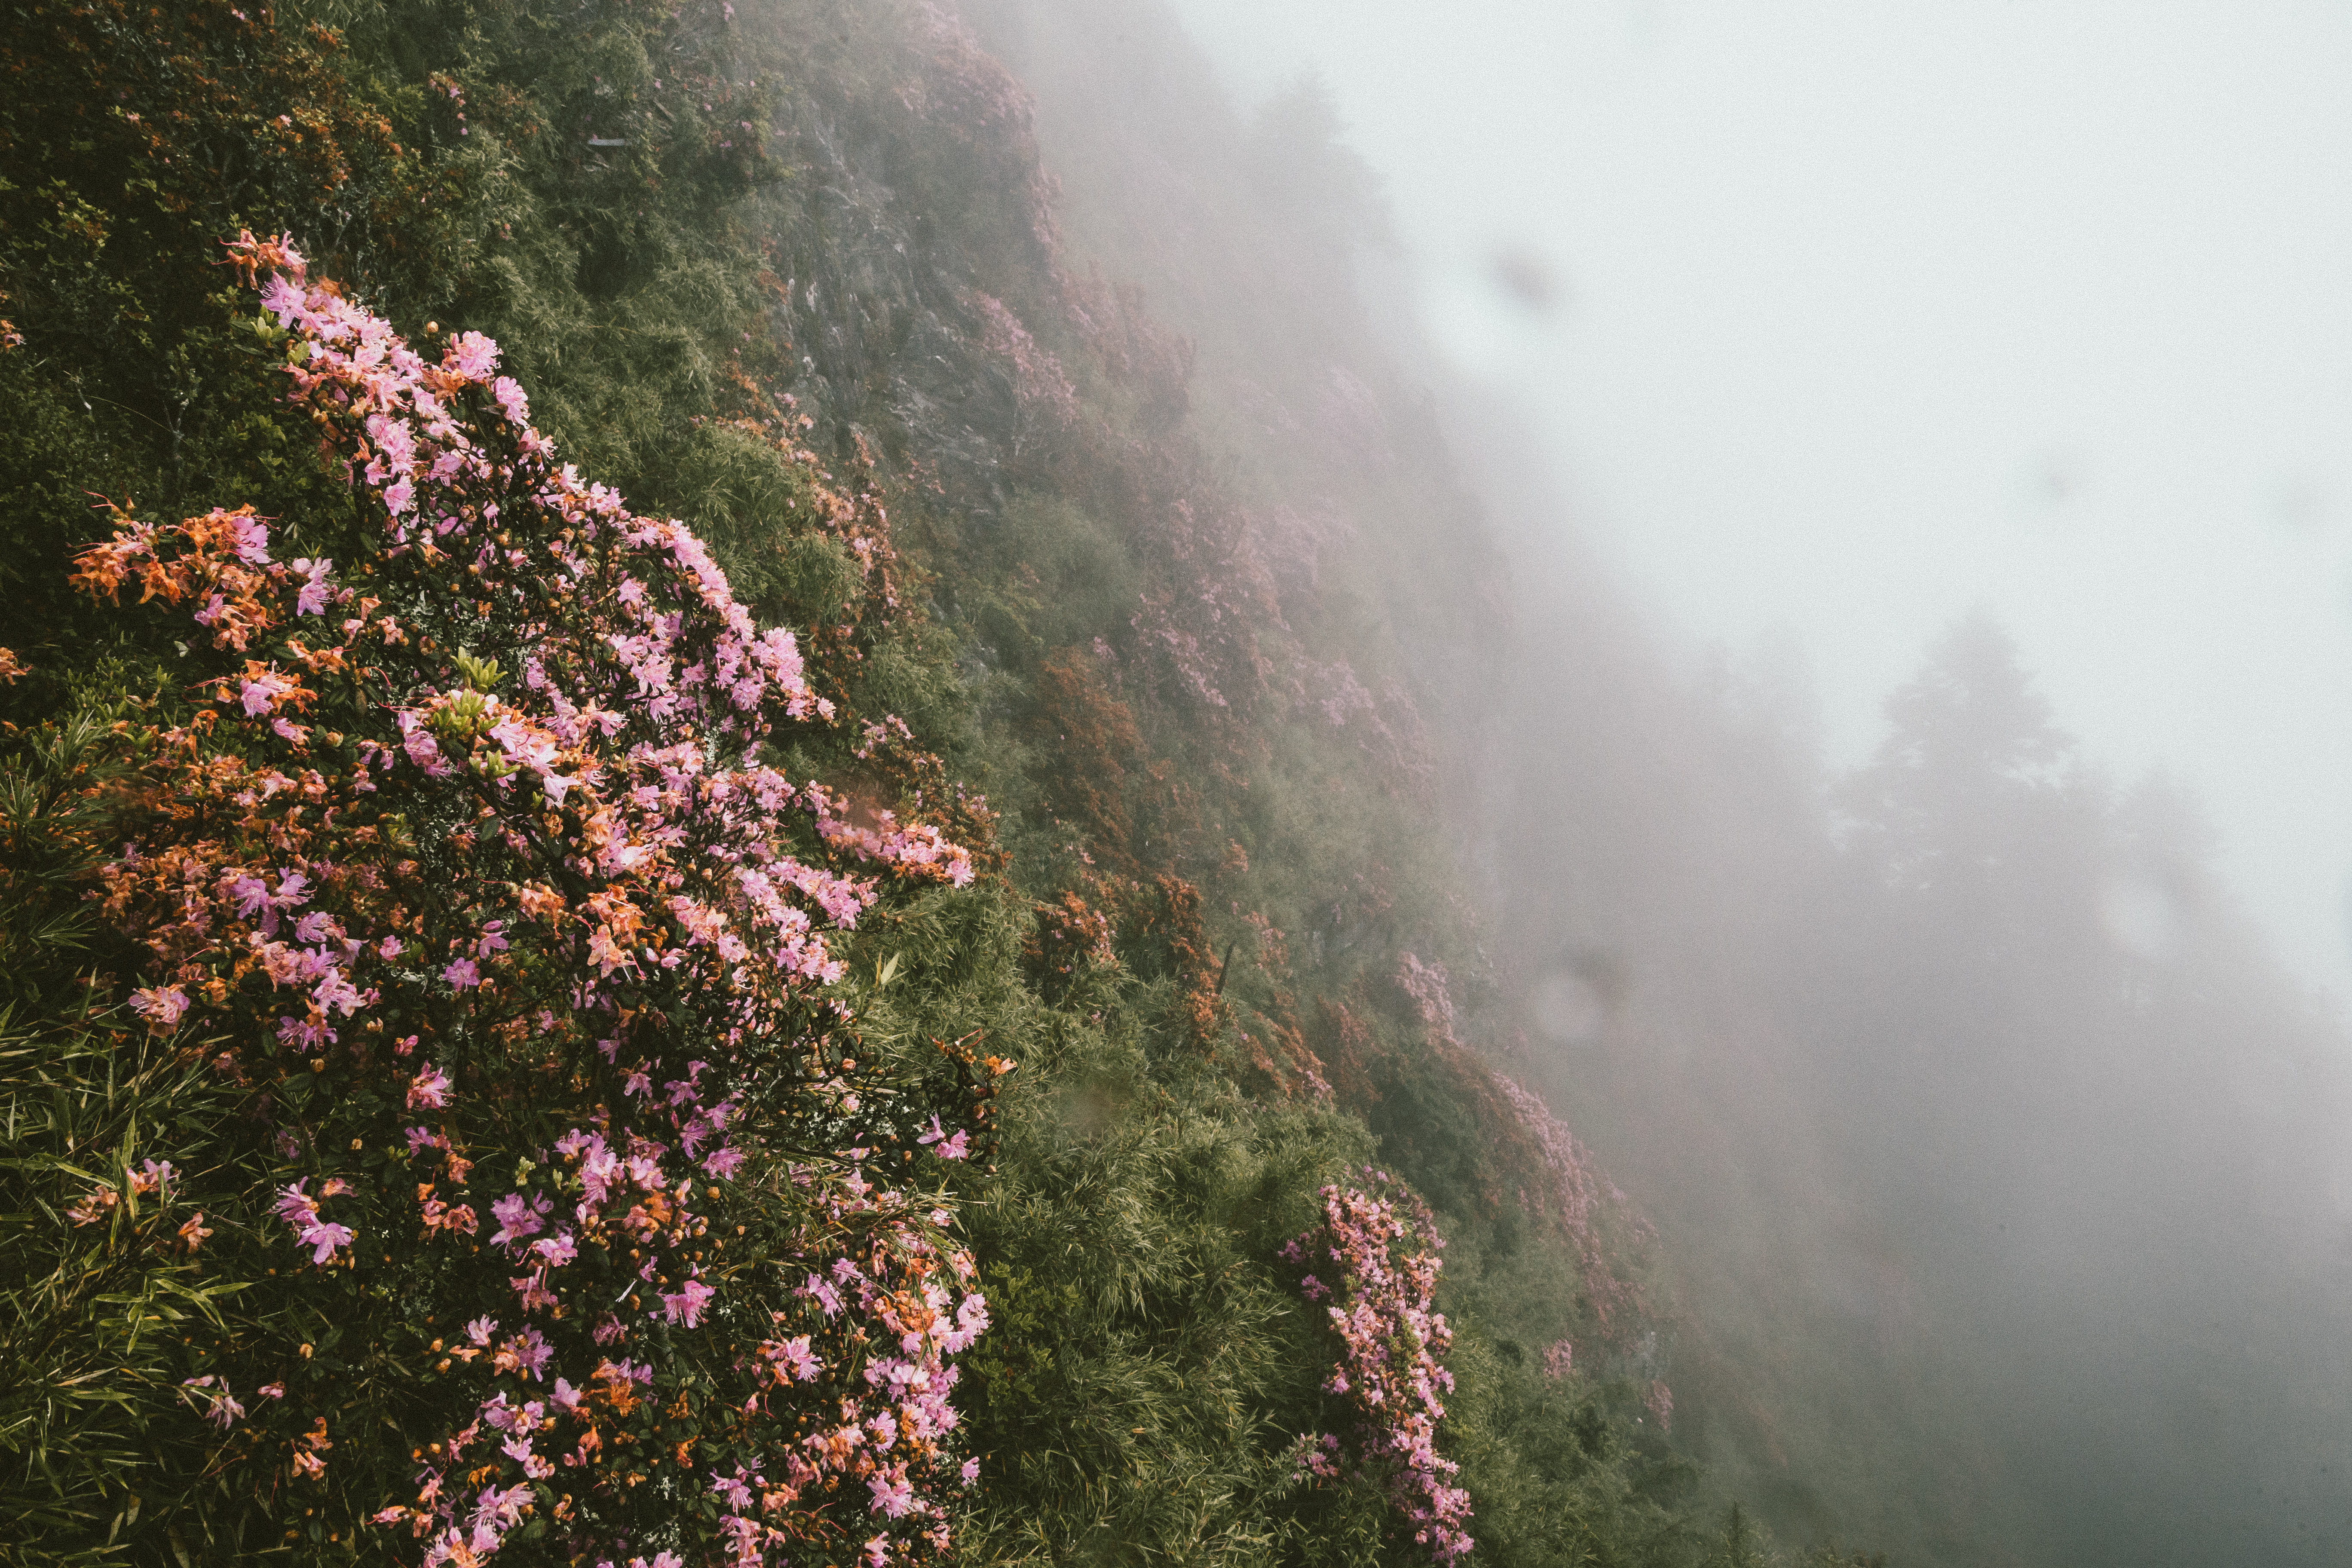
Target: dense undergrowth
[[1083, 926]]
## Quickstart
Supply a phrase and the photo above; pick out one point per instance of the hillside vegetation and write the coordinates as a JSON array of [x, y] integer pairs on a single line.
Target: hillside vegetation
[[376, 757], [772, 793]]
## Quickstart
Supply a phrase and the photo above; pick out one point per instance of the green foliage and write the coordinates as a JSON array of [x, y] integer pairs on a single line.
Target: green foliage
[[1140, 1407], [108, 1283], [101, 1318]]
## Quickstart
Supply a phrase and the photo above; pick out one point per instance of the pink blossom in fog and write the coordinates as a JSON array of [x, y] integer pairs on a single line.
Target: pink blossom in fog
[[1390, 1370]]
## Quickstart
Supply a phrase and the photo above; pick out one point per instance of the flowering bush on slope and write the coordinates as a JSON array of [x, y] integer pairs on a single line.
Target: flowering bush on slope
[[1383, 1247], [1599, 1221], [467, 867]]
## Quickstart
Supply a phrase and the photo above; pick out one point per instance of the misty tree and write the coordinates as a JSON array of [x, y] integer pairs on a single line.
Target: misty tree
[[1972, 771], [1973, 970]]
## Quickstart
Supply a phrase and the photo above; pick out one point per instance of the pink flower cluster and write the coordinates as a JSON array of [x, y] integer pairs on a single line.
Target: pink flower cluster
[[1430, 987], [300, 1212], [1040, 389], [913, 847], [1382, 1245], [1597, 1217], [872, 1332], [485, 819]]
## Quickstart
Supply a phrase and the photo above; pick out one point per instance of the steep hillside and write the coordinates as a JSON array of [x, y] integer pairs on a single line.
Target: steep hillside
[[1116, 919], [851, 644], [2005, 1206]]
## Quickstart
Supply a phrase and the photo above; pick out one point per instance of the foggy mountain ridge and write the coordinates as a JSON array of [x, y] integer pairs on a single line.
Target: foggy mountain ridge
[[1968, 1051], [1927, 1157]]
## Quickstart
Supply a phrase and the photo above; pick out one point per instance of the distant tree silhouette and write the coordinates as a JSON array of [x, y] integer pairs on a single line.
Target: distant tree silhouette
[[1971, 762]]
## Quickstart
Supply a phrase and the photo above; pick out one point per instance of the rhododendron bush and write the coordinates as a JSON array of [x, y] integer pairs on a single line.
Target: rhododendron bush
[[467, 869], [1374, 1261], [1611, 1241]]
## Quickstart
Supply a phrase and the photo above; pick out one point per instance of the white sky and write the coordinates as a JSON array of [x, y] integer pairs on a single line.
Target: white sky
[[1876, 312]]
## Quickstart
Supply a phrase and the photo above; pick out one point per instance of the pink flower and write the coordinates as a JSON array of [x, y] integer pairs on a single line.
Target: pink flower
[[249, 894], [429, 1088], [794, 1356], [295, 1206], [948, 1148], [892, 1496], [261, 691], [471, 355], [636, 718], [324, 1239], [162, 1006], [1382, 1238], [312, 599], [333, 994], [510, 398], [685, 1306], [532, 1352], [518, 1218], [223, 1409], [250, 539]]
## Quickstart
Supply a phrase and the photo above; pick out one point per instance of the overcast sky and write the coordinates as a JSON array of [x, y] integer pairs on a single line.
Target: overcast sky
[[1869, 313]]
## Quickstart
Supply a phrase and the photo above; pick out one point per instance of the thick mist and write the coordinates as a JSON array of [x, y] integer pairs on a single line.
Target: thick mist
[[2005, 1165], [1851, 319], [1994, 1137]]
